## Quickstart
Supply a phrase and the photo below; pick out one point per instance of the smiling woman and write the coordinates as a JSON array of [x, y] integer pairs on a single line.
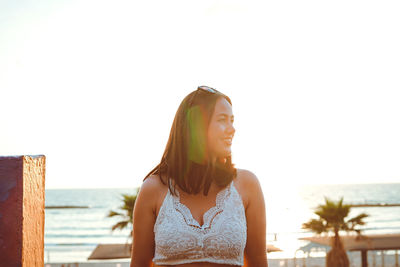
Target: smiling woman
[[195, 208]]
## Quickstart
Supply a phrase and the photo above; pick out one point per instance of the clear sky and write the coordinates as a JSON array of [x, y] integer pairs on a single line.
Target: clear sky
[[94, 85]]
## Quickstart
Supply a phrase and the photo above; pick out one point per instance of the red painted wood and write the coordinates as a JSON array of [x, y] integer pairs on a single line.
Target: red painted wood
[[22, 211]]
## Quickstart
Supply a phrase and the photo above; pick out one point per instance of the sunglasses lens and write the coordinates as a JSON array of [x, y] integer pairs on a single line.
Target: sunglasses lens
[[208, 89]]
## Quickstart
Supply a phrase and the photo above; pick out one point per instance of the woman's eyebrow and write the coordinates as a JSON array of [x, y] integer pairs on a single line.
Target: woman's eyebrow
[[225, 115]]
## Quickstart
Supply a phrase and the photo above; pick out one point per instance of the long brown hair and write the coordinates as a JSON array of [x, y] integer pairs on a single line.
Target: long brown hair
[[186, 162]]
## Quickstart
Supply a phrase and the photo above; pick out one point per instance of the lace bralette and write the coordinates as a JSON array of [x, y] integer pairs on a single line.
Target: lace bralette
[[180, 239]]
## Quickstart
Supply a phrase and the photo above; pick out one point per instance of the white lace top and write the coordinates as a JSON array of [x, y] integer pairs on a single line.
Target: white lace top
[[221, 239]]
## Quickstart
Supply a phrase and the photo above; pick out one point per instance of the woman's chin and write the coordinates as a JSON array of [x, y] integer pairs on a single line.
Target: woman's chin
[[222, 154], [225, 154]]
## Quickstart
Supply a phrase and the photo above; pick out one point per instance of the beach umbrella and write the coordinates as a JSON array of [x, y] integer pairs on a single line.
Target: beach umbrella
[[272, 248], [307, 249], [111, 251], [311, 246]]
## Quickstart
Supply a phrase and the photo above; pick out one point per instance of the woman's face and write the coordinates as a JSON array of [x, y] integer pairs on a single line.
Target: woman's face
[[221, 130]]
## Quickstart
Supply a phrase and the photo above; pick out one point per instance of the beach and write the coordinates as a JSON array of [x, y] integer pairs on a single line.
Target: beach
[[71, 234]]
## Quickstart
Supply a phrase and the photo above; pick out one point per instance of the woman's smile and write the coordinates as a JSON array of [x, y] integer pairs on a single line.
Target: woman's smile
[[228, 141]]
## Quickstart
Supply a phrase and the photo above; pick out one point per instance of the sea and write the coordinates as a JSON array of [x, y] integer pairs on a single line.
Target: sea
[[71, 234]]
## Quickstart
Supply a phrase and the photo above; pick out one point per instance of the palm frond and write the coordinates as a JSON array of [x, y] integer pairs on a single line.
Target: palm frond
[[125, 212], [356, 221], [112, 213], [333, 212], [317, 226], [120, 225]]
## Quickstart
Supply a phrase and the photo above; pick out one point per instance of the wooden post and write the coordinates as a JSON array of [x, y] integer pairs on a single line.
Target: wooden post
[[364, 258], [374, 258], [22, 194], [295, 260]]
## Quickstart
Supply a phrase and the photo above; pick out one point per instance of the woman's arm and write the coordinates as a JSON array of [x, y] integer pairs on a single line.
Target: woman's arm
[[143, 223], [255, 251]]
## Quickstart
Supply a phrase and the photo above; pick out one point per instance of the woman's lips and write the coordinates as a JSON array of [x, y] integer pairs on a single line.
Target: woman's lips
[[227, 141]]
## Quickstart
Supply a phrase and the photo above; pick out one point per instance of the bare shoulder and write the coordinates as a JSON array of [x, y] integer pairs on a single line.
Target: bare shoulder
[[152, 183], [246, 184], [152, 190], [247, 178]]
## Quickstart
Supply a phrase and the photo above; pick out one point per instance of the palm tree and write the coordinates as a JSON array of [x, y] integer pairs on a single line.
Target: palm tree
[[332, 219], [126, 213]]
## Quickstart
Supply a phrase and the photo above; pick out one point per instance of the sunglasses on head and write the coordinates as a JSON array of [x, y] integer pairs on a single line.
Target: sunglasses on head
[[203, 88], [207, 88]]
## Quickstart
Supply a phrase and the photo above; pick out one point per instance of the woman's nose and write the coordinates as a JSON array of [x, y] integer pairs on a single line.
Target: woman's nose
[[231, 129]]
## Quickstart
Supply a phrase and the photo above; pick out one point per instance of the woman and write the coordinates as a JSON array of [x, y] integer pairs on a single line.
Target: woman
[[194, 208]]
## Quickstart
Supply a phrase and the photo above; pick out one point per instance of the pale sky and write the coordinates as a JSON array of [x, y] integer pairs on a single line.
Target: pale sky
[[94, 86]]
